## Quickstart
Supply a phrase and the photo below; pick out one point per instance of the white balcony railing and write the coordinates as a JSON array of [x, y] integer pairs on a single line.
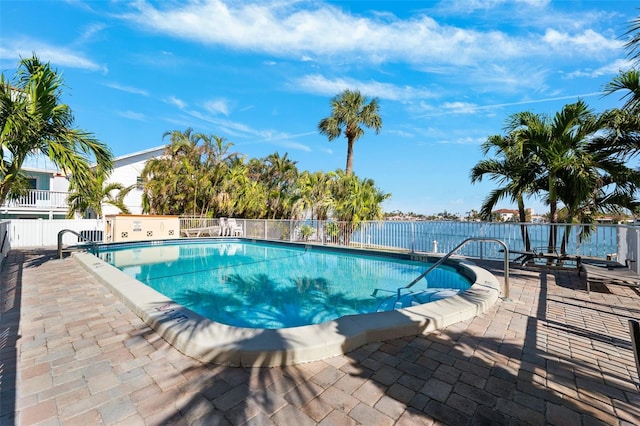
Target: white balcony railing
[[39, 200]]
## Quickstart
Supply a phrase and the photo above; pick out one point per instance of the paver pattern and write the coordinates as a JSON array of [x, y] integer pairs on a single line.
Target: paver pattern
[[72, 354]]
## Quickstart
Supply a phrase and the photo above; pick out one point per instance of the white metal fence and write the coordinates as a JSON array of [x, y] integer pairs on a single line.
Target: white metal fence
[[43, 232], [601, 240]]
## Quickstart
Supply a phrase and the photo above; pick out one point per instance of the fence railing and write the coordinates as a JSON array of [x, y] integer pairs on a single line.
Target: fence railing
[[44, 232], [40, 199], [598, 240], [601, 240]]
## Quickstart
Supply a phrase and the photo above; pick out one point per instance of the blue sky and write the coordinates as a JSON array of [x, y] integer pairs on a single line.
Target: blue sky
[[261, 74]]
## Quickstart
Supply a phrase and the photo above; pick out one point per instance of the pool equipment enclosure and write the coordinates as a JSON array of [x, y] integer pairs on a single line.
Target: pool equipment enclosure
[[125, 228]]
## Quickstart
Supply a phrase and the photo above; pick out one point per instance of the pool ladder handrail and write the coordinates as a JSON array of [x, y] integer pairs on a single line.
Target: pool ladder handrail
[[92, 244], [458, 247]]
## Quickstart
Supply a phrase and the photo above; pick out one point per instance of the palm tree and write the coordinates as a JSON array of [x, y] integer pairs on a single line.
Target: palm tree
[[314, 194], [511, 168], [176, 183], [629, 82], [83, 198], [570, 164], [558, 145], [350, 110], [633, 43], [33, 121], [279, 175], [356, 200]]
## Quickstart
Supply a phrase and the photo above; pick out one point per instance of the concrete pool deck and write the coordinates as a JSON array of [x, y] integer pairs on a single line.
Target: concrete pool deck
[[209, 341], [72, 353]]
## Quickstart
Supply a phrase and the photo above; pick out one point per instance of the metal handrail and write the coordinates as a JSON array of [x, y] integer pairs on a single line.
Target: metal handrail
[[448, 255], [93, 244], [4, 239]]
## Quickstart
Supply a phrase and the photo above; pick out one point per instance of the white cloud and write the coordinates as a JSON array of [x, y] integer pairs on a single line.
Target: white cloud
[[218, 106], [133, 115], [90, 31], [320, 30], [400, 133], [128, 89], [251, 135], [472, 5], [176, 102], [316, 83], [468, 108], [463, 141], [612, 68], [586, 42], [460, 107], [56, 55]]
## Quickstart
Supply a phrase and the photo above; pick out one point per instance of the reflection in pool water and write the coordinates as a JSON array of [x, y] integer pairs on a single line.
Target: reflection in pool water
[[263, 285]]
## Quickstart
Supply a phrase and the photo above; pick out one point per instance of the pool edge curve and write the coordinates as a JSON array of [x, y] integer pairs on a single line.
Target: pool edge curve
[[213, 342]]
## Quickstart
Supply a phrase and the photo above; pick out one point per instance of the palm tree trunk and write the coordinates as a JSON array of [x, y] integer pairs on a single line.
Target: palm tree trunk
[[553, 214], [349, 169], [523, 228]]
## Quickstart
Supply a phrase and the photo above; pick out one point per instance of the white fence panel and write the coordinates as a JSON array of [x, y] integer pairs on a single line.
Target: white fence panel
[[44, 233], [629, 246]]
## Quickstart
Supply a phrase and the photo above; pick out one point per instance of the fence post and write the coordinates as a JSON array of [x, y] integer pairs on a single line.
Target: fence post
[[413, 237]]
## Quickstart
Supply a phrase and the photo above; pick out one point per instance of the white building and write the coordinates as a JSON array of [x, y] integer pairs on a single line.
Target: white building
[[47, 198], [127, 170]]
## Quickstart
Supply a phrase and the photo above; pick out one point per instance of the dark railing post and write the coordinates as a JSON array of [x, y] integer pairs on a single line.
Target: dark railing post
[[634, 331]]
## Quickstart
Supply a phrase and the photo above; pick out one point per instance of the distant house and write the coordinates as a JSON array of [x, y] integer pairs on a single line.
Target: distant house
[[505, 215]]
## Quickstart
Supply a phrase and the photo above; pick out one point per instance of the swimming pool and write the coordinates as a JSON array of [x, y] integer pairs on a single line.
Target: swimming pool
[[213, 341], [267, 285]]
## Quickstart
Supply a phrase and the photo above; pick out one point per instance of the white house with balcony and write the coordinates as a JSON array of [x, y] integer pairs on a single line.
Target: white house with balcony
[[47, 198]]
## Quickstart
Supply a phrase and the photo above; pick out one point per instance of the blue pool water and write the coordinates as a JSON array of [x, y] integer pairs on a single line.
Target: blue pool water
[[264, 285]]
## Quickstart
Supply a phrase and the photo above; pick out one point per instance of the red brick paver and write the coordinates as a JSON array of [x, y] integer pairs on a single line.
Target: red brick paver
[[72, 353]]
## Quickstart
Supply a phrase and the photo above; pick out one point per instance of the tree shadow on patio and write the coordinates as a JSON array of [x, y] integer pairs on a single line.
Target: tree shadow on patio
[[10, 305], [516, 371], [539, 359], [10, 314]]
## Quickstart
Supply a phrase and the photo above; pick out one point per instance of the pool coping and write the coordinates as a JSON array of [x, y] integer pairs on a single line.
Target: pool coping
[[209, 341]]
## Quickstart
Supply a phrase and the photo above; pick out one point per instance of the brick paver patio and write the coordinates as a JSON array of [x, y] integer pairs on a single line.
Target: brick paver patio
[[71, 353]]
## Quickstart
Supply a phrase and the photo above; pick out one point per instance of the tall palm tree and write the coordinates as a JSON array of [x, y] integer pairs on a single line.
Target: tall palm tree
[[33, 121], [350, 110]]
